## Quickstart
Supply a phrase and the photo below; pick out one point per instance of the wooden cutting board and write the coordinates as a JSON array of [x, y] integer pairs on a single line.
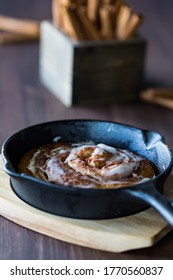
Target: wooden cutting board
[[116, 235]]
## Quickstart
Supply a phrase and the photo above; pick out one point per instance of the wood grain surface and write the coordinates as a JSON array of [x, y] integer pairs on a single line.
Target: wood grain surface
[[115, 235], [24, 101]]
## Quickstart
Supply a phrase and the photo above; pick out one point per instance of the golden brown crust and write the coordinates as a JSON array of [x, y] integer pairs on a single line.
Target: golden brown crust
[[145, 169], [24, 162]]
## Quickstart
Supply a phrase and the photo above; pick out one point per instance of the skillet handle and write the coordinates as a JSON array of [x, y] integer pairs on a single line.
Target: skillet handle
[[149, 194]]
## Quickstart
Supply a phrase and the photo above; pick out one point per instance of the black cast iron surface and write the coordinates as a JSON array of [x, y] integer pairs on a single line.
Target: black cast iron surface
[[91, 203]]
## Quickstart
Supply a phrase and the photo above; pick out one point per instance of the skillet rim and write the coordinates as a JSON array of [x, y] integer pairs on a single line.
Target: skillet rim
[[10, 170]]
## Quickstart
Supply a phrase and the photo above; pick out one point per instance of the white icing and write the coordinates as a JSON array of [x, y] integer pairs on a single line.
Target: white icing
[[31, 165], [88, 165], [122, 170], [54, 170], [120, 163], [107, 148]]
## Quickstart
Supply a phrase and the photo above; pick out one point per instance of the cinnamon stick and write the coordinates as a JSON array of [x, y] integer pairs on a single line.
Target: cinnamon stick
[[88, 26], [161, 96], [20, 26], [107, 2], [122, 21], [107, 16], [117, 5], [81, 3], [10, 38], [133, 25], [93, 10], [56, 13], [57, 16], [71, 23]]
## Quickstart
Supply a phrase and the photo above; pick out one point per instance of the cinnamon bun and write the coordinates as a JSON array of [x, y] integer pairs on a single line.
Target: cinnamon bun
[[86, 165]]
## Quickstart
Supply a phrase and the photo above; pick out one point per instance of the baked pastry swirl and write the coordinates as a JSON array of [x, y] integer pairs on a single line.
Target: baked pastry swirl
[[86, 165]]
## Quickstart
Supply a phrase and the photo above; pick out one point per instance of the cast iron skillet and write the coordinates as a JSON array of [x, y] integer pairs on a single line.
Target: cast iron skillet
[[91, 203]]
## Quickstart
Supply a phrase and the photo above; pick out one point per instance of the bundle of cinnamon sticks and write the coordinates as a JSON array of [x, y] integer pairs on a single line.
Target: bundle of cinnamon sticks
[[95, 20]]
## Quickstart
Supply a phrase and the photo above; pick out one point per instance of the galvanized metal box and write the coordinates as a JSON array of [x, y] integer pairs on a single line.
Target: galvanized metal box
[[79, 73]]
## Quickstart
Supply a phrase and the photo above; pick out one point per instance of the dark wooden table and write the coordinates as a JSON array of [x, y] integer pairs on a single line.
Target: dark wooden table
[[24, 101]]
